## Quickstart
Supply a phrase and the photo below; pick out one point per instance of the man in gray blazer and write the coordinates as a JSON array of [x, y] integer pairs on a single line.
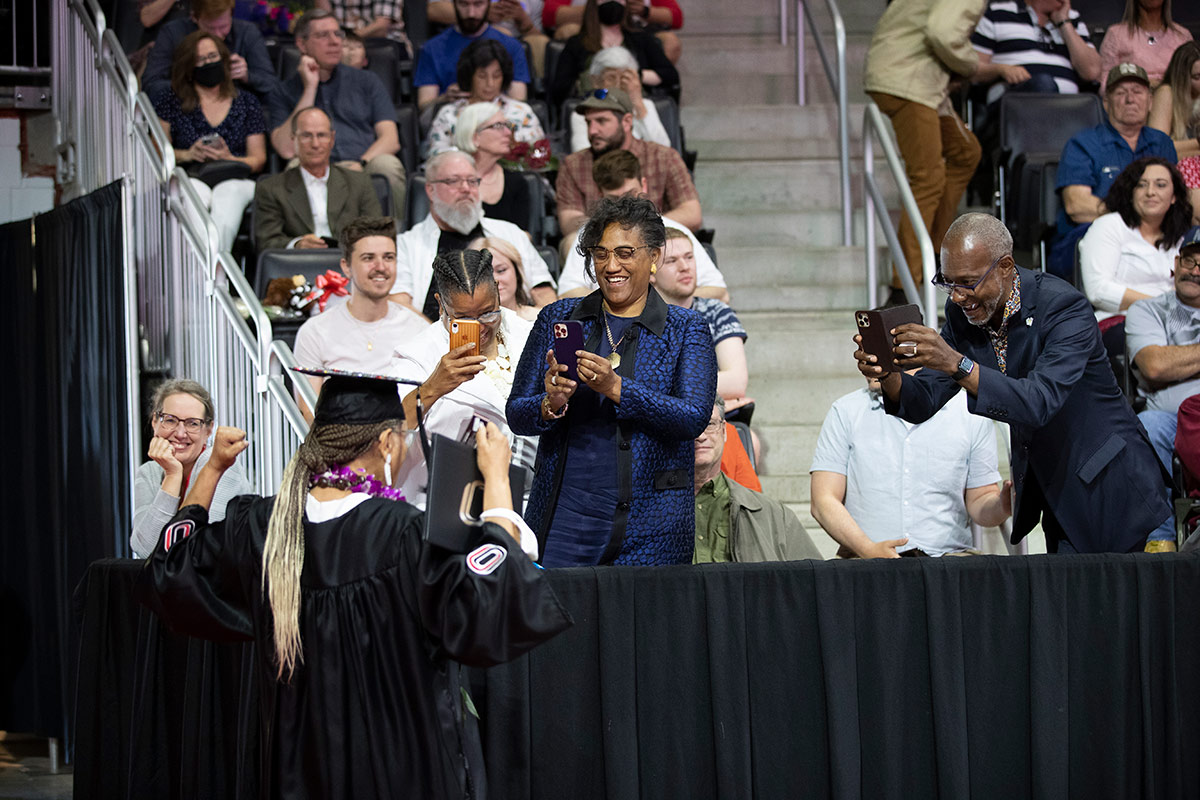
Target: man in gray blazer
[[312, 201]]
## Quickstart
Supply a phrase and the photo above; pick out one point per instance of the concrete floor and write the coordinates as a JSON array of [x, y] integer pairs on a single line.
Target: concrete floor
[[25, 770]]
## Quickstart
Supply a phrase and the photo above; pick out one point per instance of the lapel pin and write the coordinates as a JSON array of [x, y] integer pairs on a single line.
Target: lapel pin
[[1029, 322]]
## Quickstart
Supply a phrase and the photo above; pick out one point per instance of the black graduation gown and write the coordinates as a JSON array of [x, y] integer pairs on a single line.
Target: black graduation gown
[[376, 709]]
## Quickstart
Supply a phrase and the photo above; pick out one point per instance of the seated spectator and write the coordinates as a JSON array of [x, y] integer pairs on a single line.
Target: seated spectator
[[734, 523], [1175, 111], [437, 67], [354, 52], [661, 17], [606, 24], [462, 384], [360, 334], [1093, 158], [619, 173], [182, 418], [1128, 254], [676, 282], [1042, 46], [883, 488], [249, 63], [486, 71], [609, 116], [355, 100], [313, 201], [616, 68], [520, 19], [201, 91], [484, 134], [510, 276], [455, 218], [369, 19], [616, 447], [1145, 36], [1162, 336]]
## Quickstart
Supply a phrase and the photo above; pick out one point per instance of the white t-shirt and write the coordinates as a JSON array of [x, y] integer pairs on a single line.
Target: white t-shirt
[[1114, 257], [334, 339]]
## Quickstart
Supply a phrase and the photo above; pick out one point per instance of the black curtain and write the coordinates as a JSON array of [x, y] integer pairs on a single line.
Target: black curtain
[[65, 404]]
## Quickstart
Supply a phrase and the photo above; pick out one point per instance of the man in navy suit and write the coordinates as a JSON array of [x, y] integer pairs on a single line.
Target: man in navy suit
[[1026, 347]]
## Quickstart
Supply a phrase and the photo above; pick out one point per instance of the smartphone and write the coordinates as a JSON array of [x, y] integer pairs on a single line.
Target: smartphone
[[463, 331], [874, 325], [568, 337], [210, 140]]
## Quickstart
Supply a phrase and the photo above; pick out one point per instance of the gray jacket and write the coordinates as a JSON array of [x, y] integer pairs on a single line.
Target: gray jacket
[[762, 529]]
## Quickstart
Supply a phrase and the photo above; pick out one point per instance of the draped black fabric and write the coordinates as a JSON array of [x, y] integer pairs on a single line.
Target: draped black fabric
[[67, 489], [1042, 677]]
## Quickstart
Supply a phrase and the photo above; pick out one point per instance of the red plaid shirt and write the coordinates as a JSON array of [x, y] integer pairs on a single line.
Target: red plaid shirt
[[667, 179]]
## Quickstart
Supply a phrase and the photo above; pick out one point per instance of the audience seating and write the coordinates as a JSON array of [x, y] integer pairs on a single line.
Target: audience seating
[[1037, 126], [550, 256], [282, 263], [410, 139], [743, 432], [383, 191], [416, 23], [416, 203]]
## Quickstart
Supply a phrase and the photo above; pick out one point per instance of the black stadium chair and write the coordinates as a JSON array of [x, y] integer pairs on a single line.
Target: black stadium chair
[[416, 203], [410, 140], [383, 191], [550, 256], [1037, 126], [284, 264]]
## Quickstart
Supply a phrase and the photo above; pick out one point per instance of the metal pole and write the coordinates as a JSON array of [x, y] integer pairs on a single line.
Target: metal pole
[[801, 94], [869, 219], [783, 21], [843, 126]]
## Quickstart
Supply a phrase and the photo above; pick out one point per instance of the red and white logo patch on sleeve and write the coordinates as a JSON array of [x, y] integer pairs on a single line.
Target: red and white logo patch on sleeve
[[486, 559], [177, 533]]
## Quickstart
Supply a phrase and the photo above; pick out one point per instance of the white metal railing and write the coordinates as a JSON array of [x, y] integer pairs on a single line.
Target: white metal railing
[[836, 74], [876, 208], [189, 311]]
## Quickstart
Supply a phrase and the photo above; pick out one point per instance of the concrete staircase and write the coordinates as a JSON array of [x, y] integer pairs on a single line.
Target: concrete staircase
[[767, 175]]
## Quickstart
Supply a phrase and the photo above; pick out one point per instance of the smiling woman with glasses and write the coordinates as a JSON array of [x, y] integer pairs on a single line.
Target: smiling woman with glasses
[[181, 420], [464, 384], [614, 482], [483, 132]]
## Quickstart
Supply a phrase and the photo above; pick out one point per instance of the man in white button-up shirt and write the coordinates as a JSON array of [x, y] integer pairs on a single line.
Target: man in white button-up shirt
[[883, 487], [311, 202]]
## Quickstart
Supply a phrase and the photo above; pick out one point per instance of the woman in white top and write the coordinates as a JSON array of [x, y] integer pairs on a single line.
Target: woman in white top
[[1128, 254], [616, 68], [509, 273], [460, 385], [182, 419]]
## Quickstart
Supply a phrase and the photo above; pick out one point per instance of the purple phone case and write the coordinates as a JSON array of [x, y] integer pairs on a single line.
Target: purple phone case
[[568, 337]]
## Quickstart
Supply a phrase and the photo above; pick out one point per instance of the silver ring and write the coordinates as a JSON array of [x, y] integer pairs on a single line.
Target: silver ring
[[914, 349], [554, 380]]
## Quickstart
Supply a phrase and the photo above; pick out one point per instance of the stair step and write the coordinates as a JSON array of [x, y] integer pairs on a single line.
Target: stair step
[[769, 267], [776, 185], [795, 229], [804, 397], [779, 342]]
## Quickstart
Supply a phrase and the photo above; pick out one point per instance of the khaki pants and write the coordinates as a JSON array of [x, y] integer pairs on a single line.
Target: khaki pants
[[940, 155]]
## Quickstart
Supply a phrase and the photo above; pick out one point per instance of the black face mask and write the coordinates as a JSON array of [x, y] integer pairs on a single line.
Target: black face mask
[[611, 12], [210, 75]]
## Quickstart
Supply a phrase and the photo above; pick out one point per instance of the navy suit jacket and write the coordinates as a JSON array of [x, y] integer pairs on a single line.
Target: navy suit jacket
[[1078, 450]]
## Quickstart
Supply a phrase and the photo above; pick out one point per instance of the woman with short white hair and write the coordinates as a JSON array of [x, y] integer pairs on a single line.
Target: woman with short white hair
[[484, 134], [616, 68]]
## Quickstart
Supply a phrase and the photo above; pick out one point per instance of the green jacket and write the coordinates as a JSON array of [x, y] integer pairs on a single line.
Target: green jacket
[[762, 529]]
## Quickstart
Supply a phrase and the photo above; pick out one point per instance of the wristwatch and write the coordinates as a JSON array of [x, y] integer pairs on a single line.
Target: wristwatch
[[362, 162], [964, 368]]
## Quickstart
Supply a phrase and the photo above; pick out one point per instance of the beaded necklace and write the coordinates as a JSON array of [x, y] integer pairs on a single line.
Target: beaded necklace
[[347, 479]]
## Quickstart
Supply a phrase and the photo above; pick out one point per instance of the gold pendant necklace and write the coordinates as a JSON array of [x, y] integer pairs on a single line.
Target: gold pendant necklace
[[614, 357]]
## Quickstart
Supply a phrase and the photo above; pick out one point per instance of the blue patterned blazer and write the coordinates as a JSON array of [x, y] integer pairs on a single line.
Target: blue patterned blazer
[[668, 382]]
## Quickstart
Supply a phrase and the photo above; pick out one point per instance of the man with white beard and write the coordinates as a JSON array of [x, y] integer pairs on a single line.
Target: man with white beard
[[455, 218]]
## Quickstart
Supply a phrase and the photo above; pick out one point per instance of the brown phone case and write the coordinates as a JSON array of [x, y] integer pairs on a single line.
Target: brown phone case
[[874, 325], [463, 331]]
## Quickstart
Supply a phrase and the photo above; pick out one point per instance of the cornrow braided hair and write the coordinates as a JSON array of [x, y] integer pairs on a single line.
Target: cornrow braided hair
[[462, 271], [283, 552]]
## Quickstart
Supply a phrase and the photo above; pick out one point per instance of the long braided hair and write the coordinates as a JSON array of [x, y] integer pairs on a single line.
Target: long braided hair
[[462, 271], [325, 446]]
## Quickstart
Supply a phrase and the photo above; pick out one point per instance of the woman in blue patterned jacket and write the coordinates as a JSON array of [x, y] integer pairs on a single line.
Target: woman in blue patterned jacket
[[614, 484]]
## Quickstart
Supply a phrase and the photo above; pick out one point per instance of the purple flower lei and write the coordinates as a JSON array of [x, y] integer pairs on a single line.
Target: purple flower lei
[[347, 479]]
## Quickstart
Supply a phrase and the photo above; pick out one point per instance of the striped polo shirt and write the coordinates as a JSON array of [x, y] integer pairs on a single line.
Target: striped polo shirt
[[1010, 34]]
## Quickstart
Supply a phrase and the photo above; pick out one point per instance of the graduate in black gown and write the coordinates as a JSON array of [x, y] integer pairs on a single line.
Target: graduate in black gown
[[358, 622]]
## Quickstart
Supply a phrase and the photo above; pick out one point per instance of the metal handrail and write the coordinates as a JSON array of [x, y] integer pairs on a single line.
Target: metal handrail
[[836, 74], [877, 209], [284, 358]]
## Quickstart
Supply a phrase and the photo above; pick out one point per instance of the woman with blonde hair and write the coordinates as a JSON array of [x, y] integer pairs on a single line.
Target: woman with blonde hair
[[509, 274], [1176, 112], [359, 622], [1146, 36]]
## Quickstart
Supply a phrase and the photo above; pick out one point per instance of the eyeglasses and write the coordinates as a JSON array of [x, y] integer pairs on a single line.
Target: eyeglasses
[[487, 318], [624, 255], [457, 182], [211, 58], [946, 286], [712, 427], [171, 423], [338, 34], [1189, 263], [497, 126]]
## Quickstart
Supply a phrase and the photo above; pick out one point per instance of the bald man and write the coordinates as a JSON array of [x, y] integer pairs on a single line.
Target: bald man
[[1025, 347]]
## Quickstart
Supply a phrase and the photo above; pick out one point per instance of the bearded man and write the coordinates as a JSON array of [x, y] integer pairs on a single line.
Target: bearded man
[[455, 218]]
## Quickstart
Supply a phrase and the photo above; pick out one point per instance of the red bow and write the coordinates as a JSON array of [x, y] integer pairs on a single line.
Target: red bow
[[328, 285]]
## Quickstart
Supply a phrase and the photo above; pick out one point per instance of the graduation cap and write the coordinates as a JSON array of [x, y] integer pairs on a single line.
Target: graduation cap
[[356, 398]]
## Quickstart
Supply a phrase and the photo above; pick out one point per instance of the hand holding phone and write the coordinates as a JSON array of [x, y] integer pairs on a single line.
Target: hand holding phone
[[875, 328], [568, 338], [210, 139], [463, 331]]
